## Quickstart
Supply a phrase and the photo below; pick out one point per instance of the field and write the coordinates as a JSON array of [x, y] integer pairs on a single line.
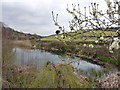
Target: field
[[87, 36]]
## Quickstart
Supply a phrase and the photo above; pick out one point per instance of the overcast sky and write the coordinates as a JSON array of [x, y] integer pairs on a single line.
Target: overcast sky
[[34, 16]]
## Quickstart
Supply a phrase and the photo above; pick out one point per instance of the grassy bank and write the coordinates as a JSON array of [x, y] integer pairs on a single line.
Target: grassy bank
[[50, 76]]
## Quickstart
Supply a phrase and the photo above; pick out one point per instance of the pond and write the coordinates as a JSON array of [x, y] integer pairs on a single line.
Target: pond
[[38, 57]]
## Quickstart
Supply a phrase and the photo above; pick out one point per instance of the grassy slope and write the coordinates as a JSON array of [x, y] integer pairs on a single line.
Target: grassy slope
[[78, 36], [60, 76]]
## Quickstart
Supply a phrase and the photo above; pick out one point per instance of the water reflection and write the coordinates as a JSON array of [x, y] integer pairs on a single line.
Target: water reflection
[[83, 65], [35, 57]]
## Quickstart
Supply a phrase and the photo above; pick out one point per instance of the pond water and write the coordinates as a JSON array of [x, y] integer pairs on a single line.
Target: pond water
[[35, 57], [38, 58]]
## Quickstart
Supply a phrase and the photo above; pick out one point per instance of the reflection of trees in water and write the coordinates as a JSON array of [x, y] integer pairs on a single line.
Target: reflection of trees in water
[[7, 53]]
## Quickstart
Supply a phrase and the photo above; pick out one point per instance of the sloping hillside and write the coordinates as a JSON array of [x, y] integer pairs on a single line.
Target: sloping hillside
[[11, 34]]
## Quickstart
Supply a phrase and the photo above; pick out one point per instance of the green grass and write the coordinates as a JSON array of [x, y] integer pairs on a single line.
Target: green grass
[[77, 37], [48, 77], [108, 60]]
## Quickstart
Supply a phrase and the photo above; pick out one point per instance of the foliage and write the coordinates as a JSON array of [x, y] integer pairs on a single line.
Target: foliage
[[91, 22]]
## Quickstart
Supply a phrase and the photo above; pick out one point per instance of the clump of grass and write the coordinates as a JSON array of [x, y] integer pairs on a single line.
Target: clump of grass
[[22, 79], [108, 60], [48, 62], [71, 79], [85, 53]]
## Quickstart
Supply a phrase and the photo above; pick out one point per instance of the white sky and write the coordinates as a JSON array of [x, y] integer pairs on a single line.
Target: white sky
[[34, 16]]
